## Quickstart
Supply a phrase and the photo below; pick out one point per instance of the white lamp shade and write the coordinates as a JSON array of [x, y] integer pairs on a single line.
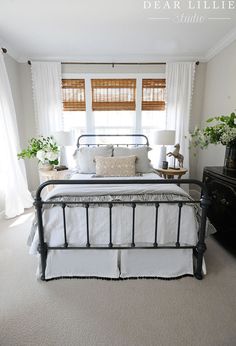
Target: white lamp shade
[[164, 137], [63, 138]]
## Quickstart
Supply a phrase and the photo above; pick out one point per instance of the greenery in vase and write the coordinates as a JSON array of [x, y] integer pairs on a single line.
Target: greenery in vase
[[44, 148], [222, 130]]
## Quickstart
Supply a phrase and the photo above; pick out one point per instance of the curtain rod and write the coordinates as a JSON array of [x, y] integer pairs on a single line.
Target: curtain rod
[[113, 63]]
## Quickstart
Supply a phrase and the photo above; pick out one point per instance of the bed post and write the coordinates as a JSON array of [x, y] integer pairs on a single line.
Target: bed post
[[201, 246], [42, 247]]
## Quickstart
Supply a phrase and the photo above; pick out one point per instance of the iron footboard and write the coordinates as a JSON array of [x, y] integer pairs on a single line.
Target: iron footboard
[[198, 249]]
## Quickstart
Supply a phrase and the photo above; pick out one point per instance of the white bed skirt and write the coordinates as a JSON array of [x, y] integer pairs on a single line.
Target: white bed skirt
[[115, 264]]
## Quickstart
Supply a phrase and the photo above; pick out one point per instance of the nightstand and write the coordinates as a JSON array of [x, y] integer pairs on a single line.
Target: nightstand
[[169, 173], [221, 184], [52, 175]]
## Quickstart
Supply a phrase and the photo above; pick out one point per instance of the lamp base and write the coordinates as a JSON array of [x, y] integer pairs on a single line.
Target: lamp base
[[63, 158]]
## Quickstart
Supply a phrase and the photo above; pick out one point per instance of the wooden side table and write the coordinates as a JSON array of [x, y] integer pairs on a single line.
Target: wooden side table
[[169, 173], [52, 175]]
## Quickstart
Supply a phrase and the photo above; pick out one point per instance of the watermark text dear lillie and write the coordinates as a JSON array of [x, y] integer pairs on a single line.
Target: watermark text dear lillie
[[211, 9], [191, 5]]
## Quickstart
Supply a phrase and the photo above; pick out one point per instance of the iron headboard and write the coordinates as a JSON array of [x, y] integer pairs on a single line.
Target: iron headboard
[[133, 136]]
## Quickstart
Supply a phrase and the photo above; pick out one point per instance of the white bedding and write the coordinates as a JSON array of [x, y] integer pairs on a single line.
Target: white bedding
[[121, 215], [113, 189]]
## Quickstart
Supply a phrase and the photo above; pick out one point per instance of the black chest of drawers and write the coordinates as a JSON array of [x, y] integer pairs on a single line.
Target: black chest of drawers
[[221, 186]]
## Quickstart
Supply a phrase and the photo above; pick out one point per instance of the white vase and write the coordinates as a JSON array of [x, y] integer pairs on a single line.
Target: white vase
[[45, 166]]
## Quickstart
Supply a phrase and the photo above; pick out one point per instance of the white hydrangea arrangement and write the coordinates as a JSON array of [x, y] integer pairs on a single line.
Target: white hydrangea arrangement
[[223, 131], [45, 149]]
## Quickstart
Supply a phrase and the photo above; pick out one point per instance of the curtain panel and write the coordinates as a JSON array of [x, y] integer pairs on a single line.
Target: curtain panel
[[46, 81], [12, 171], [179, 84]]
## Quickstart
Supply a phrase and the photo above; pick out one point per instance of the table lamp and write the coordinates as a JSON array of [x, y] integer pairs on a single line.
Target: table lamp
[[63, 138], [163, 138]]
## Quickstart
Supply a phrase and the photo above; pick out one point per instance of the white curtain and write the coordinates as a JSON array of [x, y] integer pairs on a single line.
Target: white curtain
[[12, 171], [46, 78], [179, 85]]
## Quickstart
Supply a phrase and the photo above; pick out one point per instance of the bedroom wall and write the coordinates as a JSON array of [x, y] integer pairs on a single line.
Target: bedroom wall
[[219, 99], [73, 68]]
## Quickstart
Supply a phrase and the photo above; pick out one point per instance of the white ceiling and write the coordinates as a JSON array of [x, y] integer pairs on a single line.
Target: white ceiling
[[111, 30]]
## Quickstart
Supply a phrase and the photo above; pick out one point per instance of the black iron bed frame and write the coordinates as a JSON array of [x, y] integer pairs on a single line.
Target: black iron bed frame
[[204, 202]]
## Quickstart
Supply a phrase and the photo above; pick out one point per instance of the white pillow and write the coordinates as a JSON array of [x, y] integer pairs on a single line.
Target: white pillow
[[115, 166], [85, 157], [142, 163]]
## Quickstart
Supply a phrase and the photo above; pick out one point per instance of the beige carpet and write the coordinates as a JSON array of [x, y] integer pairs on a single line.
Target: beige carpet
[[95, 312]]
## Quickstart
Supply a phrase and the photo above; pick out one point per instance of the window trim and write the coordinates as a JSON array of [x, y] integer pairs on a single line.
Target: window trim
[[88, 95]]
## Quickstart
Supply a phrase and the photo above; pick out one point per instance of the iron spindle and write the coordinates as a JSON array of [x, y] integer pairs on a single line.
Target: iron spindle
[[155, 244], [180, 204], [87, 224], [133, 224], [64, 224], [110, 224]]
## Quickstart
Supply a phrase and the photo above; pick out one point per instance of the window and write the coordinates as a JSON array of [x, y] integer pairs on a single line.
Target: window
[[113, 104], [153, 105], [74, 106]]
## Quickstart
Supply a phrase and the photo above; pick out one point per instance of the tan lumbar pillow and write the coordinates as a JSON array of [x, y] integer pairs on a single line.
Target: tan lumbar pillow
[[115, 166]]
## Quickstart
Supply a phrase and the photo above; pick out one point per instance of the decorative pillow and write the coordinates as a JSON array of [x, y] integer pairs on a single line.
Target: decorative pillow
[[115, 166], [85, 156], [142, 163]]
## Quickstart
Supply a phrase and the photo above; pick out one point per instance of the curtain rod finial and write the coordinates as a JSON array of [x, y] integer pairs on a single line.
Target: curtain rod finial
[[197, 63], [4, 50], [29, 62]]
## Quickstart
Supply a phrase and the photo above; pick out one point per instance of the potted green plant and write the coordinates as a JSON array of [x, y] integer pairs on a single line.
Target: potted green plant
[[45, 149], [222, 130]]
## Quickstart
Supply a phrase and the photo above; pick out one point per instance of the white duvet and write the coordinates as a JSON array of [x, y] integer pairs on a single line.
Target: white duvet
[[121, 215]]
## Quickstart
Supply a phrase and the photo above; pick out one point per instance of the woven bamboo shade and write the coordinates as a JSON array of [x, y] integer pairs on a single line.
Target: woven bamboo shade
[[113, 94], [153, 95], [73, 92]]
